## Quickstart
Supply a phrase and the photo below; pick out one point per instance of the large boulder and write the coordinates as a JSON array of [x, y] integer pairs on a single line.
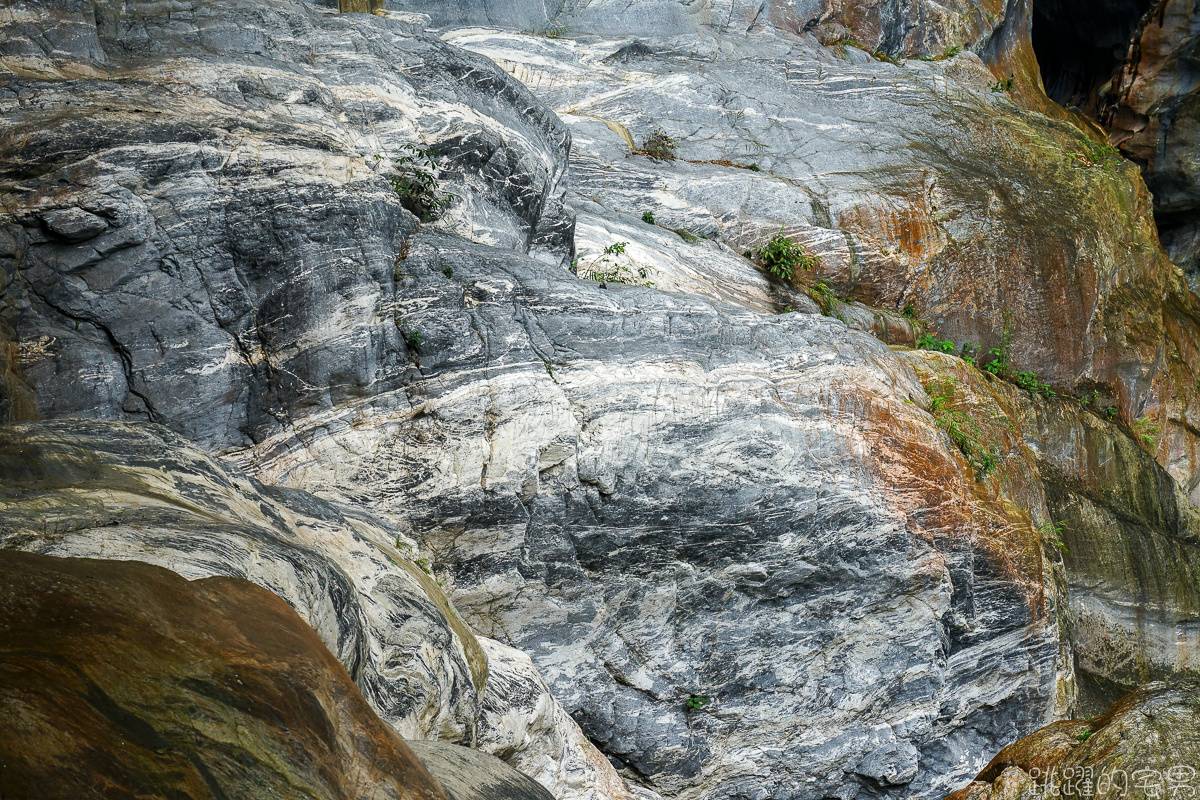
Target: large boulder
[[138, 492], [124, 680], [1144, 747]]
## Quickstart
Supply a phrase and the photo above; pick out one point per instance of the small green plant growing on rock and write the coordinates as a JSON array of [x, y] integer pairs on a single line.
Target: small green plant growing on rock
[[782, 255], [412, 338], [696, 702], [950, 52], [930, 342], [1147, 433], [1005, 85], [826, 298], [910, 312], [686, 235], [1084, 736], [610, 270], [657, 146], [423, 563], [962, 430], [1002, 354], [417, 183], [1029, 381], [1097, 154], [448, 271], [648, 217], [1051, 532]]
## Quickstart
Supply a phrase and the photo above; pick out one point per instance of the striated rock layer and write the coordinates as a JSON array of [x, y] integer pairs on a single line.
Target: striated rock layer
[[1145, 746], [123, 680], [732, 534], [138, 492]]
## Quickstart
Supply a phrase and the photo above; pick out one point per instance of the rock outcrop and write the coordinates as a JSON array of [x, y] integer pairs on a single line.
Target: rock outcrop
[[467, 774], [1144, 747], [124, 491], [124, 680], [1153, 111], [738, 538]]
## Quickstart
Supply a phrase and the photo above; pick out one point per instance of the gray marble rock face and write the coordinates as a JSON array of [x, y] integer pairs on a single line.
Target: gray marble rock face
[[898, 29], [96, 489], [211, 235], [736, 547], [915, 184], [663, 498]]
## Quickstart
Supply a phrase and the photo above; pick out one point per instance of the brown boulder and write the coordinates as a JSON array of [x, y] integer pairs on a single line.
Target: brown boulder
[[119, 679], [1146, 746]]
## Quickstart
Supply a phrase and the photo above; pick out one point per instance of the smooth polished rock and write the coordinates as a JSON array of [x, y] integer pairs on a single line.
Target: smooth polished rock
[[119, 679]]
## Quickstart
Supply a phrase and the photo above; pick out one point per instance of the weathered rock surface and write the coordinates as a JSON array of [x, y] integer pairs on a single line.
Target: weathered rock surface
[[1153, 111], [1124, 541], [230, 177], [915, 183], [1146, 746], [125, 491], [664, 497], [467, 774], [645, 546], [123, 680]]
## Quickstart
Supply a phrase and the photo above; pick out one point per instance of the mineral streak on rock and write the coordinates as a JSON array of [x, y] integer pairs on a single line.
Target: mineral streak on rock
[[123, 680]]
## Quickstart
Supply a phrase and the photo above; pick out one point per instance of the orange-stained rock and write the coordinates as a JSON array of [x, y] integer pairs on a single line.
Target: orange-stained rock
[[1146, 746], [119, 679]]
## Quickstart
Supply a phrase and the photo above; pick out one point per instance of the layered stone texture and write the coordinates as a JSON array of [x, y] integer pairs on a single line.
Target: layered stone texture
[[138, 492], [1145, 746], [124, 680], [916, 184], [726, 529]]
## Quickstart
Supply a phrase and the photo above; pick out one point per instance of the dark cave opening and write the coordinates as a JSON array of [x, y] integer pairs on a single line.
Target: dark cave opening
[[1080, 44]]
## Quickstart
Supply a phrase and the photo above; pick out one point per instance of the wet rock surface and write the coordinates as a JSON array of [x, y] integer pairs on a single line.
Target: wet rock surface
[[122, 680]]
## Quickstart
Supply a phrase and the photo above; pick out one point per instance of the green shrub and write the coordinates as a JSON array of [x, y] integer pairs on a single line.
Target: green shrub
[[696, 702], [1147, 432], [648, 217], [610, 270], [412, 338], [930, 342], [1051, 532], [417, 184], [961, 429], [783, 255], [1030, 382], [1005, 85], [657, 146]]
